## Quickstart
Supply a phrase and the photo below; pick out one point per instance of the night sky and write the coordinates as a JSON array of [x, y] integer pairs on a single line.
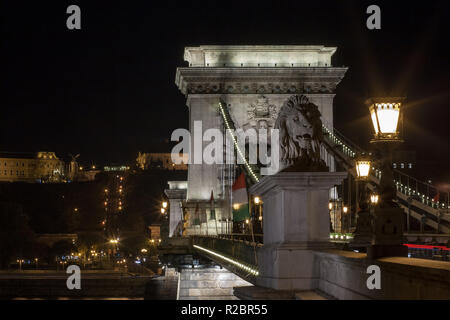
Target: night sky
[[108, 90]]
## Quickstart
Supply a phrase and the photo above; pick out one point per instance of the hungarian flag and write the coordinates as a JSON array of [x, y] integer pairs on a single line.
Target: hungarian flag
[[213, 209], [436, 197], [240, 199]]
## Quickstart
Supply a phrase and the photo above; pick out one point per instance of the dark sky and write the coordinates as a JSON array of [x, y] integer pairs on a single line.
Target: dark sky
[[107, 91]]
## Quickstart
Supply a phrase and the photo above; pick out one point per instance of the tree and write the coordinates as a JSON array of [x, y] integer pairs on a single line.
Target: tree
[[16, 237]]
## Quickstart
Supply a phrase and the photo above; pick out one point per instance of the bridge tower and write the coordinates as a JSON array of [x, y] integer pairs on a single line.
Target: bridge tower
[[248, 79]]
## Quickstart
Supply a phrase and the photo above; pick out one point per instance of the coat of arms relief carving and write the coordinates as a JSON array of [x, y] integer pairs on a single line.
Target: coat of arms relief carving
[[261, 114]]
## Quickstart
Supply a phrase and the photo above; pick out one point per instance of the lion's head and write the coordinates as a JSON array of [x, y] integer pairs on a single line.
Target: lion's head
[[300, 130]]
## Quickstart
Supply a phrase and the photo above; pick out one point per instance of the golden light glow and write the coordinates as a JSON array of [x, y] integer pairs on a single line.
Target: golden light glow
[[246, 221], [345, 209], [330, 205], [236, 206], [260, 218], [387, 115], [363, 168], [257, 200], [163, 210], [374, 198], [164, 204]]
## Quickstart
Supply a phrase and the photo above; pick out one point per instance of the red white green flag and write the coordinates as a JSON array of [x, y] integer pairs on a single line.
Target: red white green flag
[[240, 199]]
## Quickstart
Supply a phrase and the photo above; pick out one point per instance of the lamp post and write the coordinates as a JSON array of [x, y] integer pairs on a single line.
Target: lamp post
[[363, 233], [258, 204], [363, 163], [387, 117], [165, 227]]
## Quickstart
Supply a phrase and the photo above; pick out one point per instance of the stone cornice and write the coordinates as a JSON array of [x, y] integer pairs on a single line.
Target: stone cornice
[[176, 193], [208, 80], [218, 55], [298, 180]]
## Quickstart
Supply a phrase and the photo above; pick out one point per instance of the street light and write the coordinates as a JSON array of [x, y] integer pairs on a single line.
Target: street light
[[363, 164], [163, 210], [258, 204], [386, 113], [387, 119], [164, 204], [374, 199]]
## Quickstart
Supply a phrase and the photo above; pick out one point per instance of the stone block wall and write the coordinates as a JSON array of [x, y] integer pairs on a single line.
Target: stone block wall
[[344, 275], [208, 284]]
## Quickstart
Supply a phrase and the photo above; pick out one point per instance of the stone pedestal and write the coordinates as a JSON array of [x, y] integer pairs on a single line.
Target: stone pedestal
[[176, 196], [363, 233], [296, 222], [387, 238]]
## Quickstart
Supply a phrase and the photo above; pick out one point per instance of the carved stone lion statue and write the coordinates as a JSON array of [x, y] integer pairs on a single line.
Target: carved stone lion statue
[[300, 131]]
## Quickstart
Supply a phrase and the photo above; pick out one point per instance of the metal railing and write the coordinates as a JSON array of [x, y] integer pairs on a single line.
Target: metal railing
[[347, 147], [429, 195]]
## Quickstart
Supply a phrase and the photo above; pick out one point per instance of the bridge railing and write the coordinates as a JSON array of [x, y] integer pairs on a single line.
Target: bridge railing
[[424, 192], [236, 254]]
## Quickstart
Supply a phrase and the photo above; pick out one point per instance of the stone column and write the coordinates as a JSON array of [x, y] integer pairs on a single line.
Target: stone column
[[176, 196], [296, 222]]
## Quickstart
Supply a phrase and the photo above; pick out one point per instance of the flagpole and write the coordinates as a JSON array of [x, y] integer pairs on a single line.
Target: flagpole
[[251, 228]]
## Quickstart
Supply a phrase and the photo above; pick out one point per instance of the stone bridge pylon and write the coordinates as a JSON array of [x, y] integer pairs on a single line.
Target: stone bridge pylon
[[254, 82]]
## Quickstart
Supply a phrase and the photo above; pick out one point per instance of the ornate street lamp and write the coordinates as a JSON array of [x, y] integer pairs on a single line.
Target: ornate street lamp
[[363, 232], [363, 163], [387, 117], [386, 114], [387, 221], [258, 211], [374, 199]]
